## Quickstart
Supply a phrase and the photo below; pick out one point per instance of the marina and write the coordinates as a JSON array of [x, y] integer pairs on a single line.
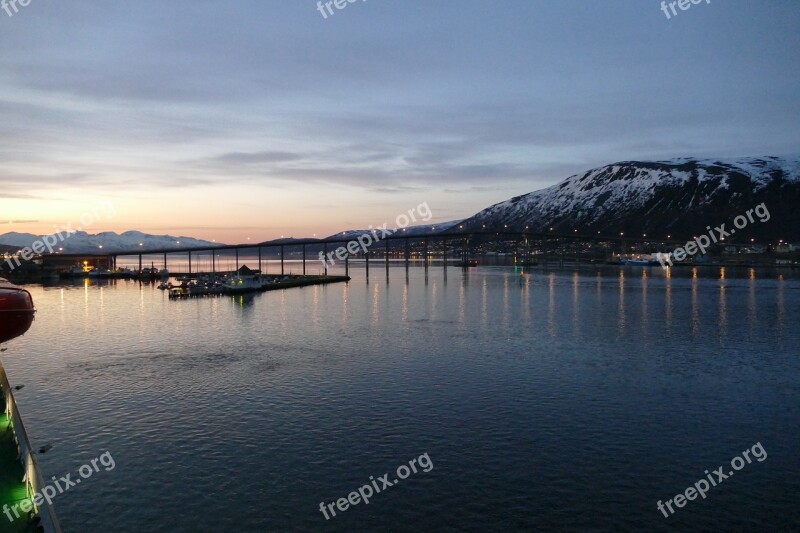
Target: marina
[[243, 283]]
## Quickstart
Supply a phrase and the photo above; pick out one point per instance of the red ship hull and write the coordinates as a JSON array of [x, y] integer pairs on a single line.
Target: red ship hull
[[16, 311]]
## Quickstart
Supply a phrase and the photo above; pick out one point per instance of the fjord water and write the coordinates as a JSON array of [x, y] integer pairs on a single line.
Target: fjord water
[[551, 399]]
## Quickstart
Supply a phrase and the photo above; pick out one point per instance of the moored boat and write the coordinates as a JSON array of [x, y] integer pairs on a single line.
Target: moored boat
[[16, 310]]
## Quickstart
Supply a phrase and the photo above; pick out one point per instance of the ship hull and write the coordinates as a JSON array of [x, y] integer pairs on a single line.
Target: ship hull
[[16, 311]]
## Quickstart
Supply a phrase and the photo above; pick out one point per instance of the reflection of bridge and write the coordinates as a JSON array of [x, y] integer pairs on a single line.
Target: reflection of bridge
[[450, 245]]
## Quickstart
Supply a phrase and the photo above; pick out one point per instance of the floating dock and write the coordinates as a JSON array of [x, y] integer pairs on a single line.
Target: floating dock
[[274, 283], [20, 477]]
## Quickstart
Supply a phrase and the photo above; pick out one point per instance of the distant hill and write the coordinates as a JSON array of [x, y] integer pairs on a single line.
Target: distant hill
[[678, 197], [82, 242], [412, 231]]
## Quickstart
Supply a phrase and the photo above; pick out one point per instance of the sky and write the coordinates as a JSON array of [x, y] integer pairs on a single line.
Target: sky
[[238, 119]]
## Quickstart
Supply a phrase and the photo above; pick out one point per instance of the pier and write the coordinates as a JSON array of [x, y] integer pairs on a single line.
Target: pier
[[270, 284]]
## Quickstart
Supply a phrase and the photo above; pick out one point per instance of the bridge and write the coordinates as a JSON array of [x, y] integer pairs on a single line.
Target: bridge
[[451, 244]]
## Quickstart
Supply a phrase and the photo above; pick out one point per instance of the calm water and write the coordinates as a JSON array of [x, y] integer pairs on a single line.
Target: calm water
[[550, 400]]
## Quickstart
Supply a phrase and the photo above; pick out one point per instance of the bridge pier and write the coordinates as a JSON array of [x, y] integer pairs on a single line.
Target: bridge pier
[[386, 253], [282, 270]]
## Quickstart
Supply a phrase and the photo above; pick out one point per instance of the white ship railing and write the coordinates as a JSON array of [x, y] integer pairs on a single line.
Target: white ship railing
[[33, 477]]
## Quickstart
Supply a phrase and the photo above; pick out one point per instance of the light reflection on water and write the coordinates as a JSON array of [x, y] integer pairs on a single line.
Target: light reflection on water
[[546, 399]]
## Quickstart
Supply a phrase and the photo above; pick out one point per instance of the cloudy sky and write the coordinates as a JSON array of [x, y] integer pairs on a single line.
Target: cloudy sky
[[238, 118]]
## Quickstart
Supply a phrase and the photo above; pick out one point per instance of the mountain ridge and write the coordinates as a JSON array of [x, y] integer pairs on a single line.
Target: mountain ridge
[[676, 197], [83, 242]]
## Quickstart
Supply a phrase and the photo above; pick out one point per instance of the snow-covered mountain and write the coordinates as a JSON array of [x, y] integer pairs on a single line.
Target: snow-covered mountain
[[678, 197], [82, 242]]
